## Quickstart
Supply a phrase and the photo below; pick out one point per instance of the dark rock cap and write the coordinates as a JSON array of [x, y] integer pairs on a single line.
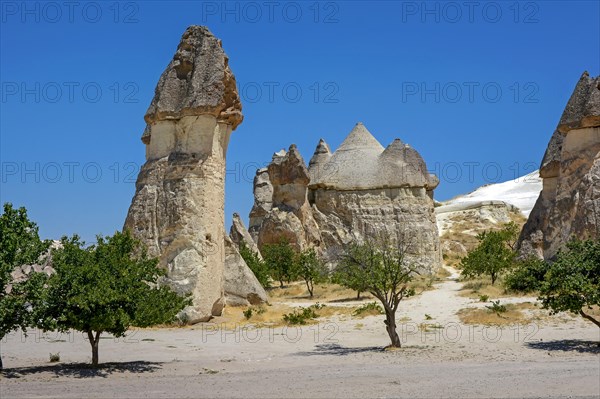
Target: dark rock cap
[[583, 108], [197, 81]]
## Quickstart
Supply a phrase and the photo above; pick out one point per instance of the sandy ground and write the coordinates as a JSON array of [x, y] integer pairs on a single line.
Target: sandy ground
[[339, 357]]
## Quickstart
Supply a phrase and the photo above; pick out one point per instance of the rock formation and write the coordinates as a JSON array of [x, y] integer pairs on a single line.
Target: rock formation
[[178, 207], [239, 235], [569, 204], [263, 197], [359, 191], [240, 284]]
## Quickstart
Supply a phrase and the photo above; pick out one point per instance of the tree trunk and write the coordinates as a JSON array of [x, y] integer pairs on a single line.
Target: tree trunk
[[309, 286], [584, 315], [94, 341], [390, 325], [357, 295], [280, 283], [493, 278]]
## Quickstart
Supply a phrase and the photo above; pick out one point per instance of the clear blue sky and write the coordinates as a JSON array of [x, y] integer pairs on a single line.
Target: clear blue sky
[[477, 88]]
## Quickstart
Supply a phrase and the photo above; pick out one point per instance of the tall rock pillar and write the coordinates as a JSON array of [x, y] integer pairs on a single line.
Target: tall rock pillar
[[178, 207]]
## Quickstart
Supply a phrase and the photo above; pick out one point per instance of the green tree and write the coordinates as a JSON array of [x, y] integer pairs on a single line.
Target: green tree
[[256, 264], [386, 274], [494, 255], [311, 269], [108, 287], [20, 245], [569, 283], [527, 276], [280, 259]]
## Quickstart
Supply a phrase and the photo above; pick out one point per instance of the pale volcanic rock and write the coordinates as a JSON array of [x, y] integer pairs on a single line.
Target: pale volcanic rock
[[178, 207], [569, 204], [291, 217], [263, 201], [240, 284], [239, 235], [360, 190]]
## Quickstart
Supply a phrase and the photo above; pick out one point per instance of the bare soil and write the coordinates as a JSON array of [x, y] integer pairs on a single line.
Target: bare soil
[[340, 355]]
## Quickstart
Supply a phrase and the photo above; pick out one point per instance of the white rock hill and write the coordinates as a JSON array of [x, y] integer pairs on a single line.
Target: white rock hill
[[521, 193]]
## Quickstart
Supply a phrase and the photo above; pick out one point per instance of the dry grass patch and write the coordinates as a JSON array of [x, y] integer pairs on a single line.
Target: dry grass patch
[[325, 292], [514, 314], [478, 288]]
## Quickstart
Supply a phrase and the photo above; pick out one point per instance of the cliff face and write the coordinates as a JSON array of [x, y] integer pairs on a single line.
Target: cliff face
[[178, 207], [361, 190], [569, 204]]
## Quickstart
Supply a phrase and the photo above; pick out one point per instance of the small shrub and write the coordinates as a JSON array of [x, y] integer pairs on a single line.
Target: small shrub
[[368, 308], [496, 307], [318, 306], [300, 316], [260, 310], [55, 357], [483, 298], [428, 317], [474, 285], [248, 313]]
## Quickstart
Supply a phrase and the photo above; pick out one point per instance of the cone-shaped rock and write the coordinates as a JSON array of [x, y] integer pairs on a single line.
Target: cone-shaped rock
[[319, 159], [359, 191]]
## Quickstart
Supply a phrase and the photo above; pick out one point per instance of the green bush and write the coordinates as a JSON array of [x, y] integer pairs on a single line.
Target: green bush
[[256, 264], [300, 316], [368, 308], [527, 276], [494, 254], [483, 298], [496, 307], [281, 261]]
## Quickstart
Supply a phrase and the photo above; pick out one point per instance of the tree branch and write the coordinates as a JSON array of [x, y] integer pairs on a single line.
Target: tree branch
[[590, 318]]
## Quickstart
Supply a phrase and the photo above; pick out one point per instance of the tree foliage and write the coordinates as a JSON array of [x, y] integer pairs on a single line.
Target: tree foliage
[[108, 287], [20, 245], [280, 259], [494, 255], [385, 273], [527, 276], [256, 264], [311, 269], [572, 282]]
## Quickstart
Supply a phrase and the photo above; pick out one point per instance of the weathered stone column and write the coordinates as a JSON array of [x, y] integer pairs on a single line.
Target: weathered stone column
[[178, 207]]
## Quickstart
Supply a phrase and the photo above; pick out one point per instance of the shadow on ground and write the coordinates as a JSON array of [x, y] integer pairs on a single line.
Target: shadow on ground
[[338, 350], [82, 370], [567, 345]]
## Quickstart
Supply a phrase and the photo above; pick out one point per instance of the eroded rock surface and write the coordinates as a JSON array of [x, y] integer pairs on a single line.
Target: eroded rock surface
[[178, 207], [569, 204], [240, 284], [361, 190]]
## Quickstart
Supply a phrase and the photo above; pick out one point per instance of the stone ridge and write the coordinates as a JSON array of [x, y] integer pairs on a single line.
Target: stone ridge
[[197, 81]]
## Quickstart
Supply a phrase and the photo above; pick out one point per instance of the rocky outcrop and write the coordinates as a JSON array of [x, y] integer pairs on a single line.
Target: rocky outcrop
[[361, 190], [290, 217], [240, 284], [569, 204], [239, 235], [178, 207], [263, 202]]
